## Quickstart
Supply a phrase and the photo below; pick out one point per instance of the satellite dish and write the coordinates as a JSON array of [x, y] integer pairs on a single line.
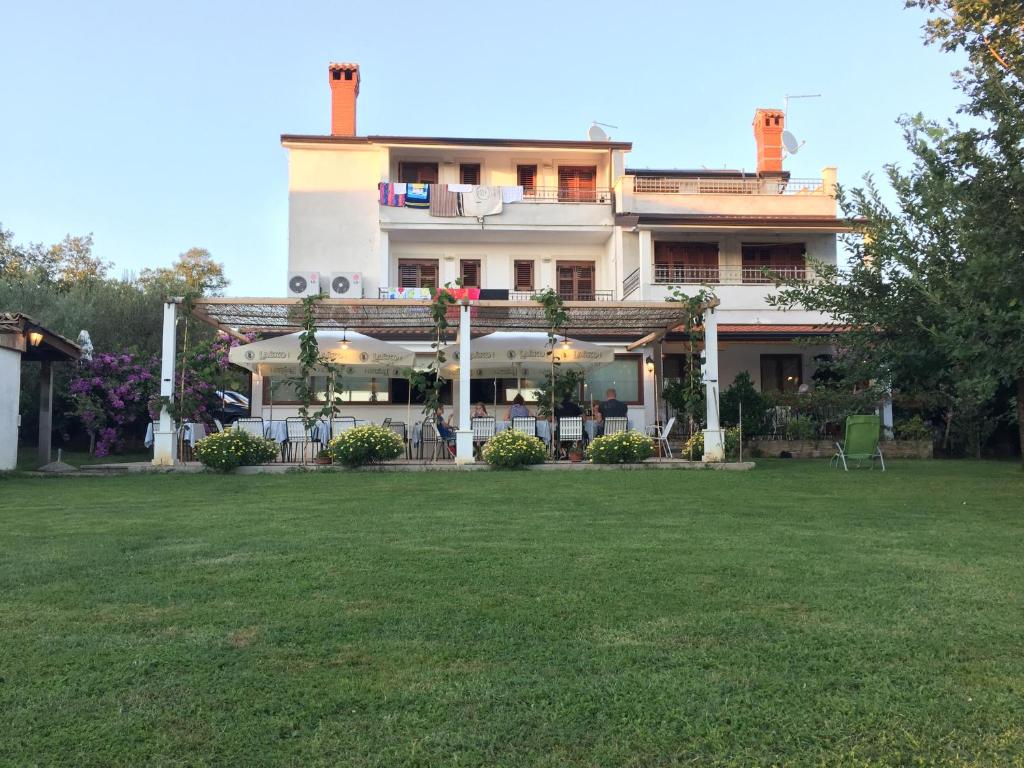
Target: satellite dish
[[790, 143], [596, 133]]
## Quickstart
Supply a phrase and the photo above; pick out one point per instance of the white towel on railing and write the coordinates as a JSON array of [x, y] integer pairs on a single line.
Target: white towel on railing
[[481, 201], [399, 187], [511, 194], [460, 187]]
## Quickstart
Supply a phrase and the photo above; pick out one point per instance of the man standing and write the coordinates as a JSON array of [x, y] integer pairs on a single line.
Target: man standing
[[611, 408]]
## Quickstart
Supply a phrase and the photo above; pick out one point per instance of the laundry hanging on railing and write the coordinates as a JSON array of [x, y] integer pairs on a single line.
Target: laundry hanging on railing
[[481, 201], [512, 194], [390, 195], [443, 202], [417, 195]]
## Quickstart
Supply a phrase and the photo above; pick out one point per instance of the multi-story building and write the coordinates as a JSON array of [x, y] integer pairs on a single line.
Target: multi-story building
[[579, 220]]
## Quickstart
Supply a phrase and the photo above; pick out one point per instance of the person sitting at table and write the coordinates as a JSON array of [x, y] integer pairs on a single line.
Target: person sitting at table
[[518, 409], [611, 408], [480, 411], [444, 429], [565, 410]]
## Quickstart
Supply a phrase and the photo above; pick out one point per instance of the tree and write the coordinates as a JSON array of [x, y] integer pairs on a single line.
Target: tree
[[935, 290], [63, 264], [195, 272]]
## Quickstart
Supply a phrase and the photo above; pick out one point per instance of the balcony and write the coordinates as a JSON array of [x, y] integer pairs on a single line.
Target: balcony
[[707, 275], [423, 294], [663, 185]]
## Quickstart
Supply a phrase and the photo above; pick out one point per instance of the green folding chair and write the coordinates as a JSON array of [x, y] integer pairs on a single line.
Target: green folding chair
[[860, 442]]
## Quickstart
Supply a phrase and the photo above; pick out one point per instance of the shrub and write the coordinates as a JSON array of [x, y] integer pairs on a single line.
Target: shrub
[[913, 428], [694, 447], [509, 450], [225, 451], [621, 448], [801, 428], [370, 444], [755, 404]]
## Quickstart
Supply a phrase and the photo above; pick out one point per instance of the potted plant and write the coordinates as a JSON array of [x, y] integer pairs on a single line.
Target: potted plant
[[575, 453], [324, 457]]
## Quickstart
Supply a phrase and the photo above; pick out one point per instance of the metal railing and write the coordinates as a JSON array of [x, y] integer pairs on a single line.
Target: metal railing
[[565, 296], [631, 284], [669, 274], [667, 185], [566, 195]]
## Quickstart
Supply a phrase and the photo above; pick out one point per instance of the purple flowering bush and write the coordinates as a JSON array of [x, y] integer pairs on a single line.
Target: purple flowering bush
[[111, 393]]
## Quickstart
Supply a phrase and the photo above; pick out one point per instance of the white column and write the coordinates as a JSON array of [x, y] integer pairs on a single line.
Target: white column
[[256, 396], [165, 446], [11, 347], [646, 263], [464, 435], [714, 437], [45, 411], [887, 422]]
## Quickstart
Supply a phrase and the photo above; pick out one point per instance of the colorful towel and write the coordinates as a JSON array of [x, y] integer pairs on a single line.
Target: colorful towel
[[388, 195], [511, 194], [482, 201], [443, 202], [417, 196]]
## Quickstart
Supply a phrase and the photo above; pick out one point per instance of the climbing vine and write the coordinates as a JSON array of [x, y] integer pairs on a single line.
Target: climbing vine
[[687, 396], [430, 381], [556, 319], [310, 363]]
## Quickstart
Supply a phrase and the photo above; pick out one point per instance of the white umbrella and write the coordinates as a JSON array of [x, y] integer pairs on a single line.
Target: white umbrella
[[351, 352], [513, 354]]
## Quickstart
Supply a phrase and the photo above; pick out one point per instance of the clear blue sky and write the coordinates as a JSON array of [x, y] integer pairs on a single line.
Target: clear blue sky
[[156, 126]]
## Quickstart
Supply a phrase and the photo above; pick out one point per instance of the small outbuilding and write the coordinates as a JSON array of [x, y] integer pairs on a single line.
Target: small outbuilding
[[23, 339]]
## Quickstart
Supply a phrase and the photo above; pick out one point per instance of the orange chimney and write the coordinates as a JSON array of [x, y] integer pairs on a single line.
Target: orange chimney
[[344, 79], [768, 127]]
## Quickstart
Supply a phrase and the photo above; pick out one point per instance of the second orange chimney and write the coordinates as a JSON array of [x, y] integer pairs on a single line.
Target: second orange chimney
[[344, 79], [768, 127]]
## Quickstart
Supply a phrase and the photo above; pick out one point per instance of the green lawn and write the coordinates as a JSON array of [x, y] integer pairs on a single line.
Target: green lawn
[[785, 616], [28, 457]]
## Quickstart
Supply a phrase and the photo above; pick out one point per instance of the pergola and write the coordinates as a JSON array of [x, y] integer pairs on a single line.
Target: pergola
[[21, 339], [632, 322]]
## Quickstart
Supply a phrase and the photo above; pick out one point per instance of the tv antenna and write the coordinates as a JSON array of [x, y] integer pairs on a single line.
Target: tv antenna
[[596, 133], [789, 141]]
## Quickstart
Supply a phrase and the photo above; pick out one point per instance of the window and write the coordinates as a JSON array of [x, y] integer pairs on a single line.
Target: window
[[526, 177], [418, 173], [787, 259], [575, 280], [417, 273], [347, 389], [577, 183], [685, 262], [677, 367], [400, 394], [469, 173], [781, 373], [469, 270], [523, 277], [625, 376]]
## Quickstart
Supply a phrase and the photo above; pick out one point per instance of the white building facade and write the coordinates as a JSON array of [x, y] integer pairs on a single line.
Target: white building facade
[[576, 219]]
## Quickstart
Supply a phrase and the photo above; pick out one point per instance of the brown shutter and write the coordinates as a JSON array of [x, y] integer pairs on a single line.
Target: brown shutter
[[417, 273], [470, 273], [418, 173], [577, 183], [523, 275], [585, 283], [469, 173], [526, 177]]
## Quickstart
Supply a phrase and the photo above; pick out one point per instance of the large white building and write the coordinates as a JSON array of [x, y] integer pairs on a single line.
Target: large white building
[[576, 218]]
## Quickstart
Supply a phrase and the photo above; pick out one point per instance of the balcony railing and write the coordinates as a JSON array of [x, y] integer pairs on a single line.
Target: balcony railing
[[666, 185], [565, 195], [671, 274], [565, 295], [631, 283]]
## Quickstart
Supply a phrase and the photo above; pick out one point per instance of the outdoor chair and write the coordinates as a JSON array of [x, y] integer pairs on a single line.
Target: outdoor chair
[[483, 430], [398, 427], [184, 443], [299, 437], [570, 430], [860, 443], [660, 436], [431, 441], [217, 426], [615, 425], [341, 424], [526, 425], [780, 416], [252, 425]]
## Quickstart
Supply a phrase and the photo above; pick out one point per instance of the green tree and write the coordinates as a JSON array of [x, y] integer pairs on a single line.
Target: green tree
[[195, 272], [935, 290]]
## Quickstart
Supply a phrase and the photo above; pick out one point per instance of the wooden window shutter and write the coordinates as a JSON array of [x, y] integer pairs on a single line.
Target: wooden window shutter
[[470, 272], [523, 275], [577, 183], [526, 177], [469, 173], [417, 273], [585, 283]]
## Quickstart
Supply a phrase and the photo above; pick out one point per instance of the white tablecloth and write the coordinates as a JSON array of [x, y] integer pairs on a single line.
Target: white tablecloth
[[277, 430], [193, 433], [543, 429]]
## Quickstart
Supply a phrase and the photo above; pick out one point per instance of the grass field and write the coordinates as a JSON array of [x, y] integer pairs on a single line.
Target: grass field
[[785, 616]]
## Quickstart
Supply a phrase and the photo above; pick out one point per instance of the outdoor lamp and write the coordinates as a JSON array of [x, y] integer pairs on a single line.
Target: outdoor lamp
[[565, 342], [650, 364], [344, 338], [35, 338]]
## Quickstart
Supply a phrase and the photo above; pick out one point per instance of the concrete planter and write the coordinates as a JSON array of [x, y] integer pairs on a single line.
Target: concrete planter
[[824, 449]]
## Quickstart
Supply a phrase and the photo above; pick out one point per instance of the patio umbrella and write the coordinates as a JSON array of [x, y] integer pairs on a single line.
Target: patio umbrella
[[515, 354], [353, 353]]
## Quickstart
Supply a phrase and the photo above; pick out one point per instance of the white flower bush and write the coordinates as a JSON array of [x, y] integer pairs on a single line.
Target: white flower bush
[[621, 448], [365, 445], [511, 449], [225, 451]]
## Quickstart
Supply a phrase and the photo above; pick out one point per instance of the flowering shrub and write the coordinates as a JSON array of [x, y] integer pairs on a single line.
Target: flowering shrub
[[200, 373], [509, 450], [225, 451], [365, 445], [694, 447], [110, 393], [621, 448]]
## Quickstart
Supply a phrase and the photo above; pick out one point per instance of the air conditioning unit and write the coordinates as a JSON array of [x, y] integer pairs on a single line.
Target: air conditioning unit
[[302, 284], [346, 285]]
